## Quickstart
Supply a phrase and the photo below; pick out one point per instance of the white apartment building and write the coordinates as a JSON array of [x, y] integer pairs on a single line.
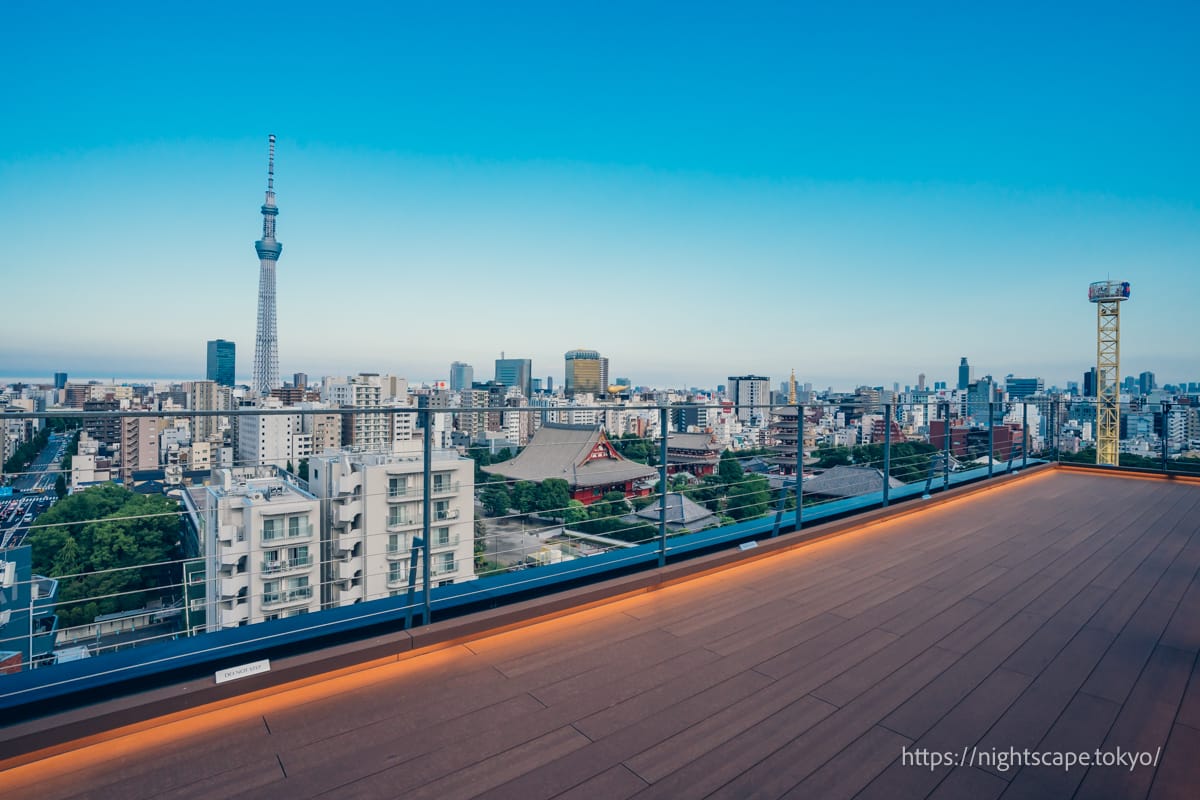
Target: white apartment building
[[373, 514], [261, 547], [267, 439]]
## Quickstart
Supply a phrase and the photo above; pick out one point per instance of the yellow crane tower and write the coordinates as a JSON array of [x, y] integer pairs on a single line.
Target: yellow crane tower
[[1108, 296]]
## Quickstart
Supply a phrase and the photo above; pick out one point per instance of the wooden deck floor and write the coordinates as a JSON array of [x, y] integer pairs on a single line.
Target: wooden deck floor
[[1060, 613]]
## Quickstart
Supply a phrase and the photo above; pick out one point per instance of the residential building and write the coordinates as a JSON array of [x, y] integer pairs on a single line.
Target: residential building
[[261, 547], [374, 520]]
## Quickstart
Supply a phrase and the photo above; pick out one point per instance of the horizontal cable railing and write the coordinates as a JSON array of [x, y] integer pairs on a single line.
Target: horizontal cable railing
[[415, 527]]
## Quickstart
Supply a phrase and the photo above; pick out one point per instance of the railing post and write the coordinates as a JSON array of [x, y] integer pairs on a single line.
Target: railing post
[[799, 465], [426, 509], [1166, 413], [1024, 434], [946, 450], [662, 486], [887, 451], [991, 436]]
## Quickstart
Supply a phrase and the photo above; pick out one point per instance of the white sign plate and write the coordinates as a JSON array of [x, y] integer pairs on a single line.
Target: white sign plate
[[243, 670], [747, 545]]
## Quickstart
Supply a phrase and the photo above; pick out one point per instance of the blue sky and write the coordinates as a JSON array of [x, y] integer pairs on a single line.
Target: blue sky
[[859, 191]]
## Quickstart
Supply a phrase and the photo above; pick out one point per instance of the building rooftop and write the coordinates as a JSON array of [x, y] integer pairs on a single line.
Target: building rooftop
[[848, 481], [579, 454], [1057, 612]]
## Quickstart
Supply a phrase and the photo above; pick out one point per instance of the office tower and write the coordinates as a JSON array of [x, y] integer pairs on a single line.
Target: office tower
[[587, 372], [266, 342], [921, 382], [1089, 383], [516, 372], [221, 362], [1020, 388], [1146, 382], [300, 380], [964, 373], [60, 380], [750, 394], [462, 375]]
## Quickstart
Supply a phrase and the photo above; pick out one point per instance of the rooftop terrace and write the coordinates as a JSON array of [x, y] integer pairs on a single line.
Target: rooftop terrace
[[1058, 611]]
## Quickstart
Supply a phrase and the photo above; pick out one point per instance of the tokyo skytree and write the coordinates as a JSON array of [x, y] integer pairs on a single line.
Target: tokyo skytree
[[266, 340]]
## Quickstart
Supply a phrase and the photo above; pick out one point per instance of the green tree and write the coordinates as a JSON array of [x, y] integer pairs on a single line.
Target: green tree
[[575, 513], [553, 495], [121, 547], [524, 496], [730, 469], [749, 498], [60, 486], [496, 500], [303, 471]]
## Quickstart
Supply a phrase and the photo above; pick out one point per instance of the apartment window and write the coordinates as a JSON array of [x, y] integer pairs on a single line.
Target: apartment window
[[298, 556], [397, 486], [394, 543], [441, 537], [395, 572], [447, 564], [272, 529], [294, 526], [398, 515]]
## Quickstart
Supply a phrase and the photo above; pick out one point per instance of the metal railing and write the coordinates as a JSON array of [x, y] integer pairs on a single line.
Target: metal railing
[[648, 501]]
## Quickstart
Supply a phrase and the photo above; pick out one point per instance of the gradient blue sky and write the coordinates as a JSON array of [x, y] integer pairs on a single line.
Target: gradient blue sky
[[860, 191]]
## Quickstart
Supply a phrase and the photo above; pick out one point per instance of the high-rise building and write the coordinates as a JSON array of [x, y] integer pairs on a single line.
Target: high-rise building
[[60, 380], [221, 362], [515, 372], [1146, 382], [266, 339], [964, 373], [462, 375], [750, 395], [1089, 383], [587, 372], [300, 380], [1020, 388]]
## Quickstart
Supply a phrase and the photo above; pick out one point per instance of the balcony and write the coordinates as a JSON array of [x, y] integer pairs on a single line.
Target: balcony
[[445, 514], [396, 524], [284, 597], [437, 488], [441, 544], [232, 616], [286, 565], [232, 585], [440, 568], [288, 533], [346, 511]]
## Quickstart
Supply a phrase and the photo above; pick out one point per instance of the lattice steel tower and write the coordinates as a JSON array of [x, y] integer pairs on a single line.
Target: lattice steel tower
[[266, 341], [1108, 296]]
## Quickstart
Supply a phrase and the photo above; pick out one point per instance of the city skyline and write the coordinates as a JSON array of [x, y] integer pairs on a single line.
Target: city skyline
[[728, 193]]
